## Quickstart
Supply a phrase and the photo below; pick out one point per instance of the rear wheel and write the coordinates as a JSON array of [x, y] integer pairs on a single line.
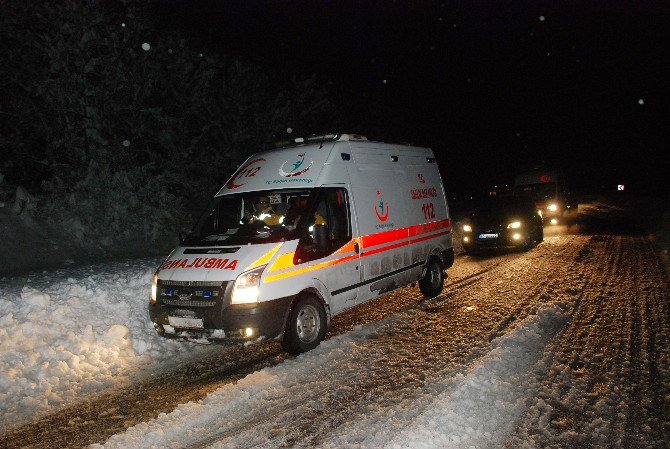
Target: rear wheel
[[433, 280], [306, 326]]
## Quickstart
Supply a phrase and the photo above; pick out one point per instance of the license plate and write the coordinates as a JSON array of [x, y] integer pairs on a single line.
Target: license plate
[[185, 322], [488, 236]]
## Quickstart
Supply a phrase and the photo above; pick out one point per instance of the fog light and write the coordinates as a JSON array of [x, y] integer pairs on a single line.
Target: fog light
[[516, 236], [554, 221], [248, 332], [466, 239]]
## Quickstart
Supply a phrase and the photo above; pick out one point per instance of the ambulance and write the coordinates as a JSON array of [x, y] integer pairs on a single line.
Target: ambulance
[[301, 233]]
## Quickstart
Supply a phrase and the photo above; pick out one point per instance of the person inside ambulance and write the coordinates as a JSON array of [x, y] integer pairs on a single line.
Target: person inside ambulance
[[264, 213], [297, 209]]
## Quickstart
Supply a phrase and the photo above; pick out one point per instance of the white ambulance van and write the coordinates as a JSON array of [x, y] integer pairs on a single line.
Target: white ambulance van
[[302, 233]]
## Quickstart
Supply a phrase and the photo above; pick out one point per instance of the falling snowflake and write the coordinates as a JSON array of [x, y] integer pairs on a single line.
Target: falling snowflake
[[123, 25], [170, 50], [640, 101], [126, 143], [541, 18], [201, 55], [146, 46], [289, 130], [384, 81]]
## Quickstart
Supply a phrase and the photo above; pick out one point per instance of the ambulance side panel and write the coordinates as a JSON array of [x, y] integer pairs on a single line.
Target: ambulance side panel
[[401, 212]]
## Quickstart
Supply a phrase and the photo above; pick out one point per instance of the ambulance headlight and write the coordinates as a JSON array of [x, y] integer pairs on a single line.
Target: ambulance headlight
[[247, 284], [467, 228], [552, 207], [514, 225], [154, 288]]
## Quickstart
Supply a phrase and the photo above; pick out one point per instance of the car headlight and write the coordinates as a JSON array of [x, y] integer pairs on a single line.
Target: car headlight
[[247, 284], [467, 228], [514, 225], [552, 207], [154, 288]]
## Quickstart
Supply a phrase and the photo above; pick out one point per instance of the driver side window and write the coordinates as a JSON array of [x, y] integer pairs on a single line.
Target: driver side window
[[328, 225]]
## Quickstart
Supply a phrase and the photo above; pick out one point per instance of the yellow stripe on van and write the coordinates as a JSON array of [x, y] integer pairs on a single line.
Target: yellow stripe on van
[[265, 258], [282, 261], [305, 269]]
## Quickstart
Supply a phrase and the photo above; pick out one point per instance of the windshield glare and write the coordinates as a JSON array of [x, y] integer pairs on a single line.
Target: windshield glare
[[254, 217]]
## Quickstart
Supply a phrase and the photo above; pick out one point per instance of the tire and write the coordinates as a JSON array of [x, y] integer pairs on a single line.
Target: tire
[[306, 326], [432, 282]]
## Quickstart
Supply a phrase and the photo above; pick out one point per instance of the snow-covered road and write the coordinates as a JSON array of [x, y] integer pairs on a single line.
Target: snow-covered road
[[564, 346]]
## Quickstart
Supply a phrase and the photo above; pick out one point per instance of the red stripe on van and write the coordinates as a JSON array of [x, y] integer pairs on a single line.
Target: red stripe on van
[[398, 245], [402, 233]]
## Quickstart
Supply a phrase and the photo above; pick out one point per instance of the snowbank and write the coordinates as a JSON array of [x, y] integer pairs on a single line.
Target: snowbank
[[64, 336]]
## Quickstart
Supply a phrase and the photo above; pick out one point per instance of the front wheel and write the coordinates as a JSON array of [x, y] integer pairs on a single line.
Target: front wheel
[[306, 326], [433, 280]]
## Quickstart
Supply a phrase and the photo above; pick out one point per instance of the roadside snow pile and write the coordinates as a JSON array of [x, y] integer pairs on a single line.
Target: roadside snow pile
[[63, 336]]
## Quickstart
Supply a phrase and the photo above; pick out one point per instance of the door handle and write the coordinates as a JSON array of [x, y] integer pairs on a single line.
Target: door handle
[[357, 248]]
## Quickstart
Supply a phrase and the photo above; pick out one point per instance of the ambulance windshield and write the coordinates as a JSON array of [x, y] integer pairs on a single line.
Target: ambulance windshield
[[254, 217]]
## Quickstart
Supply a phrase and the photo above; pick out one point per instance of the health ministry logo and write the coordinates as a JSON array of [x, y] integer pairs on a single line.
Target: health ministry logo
[[381, 207], [290, 169]]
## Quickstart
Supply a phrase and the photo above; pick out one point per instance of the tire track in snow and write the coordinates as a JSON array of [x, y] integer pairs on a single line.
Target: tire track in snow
[[607, 382]]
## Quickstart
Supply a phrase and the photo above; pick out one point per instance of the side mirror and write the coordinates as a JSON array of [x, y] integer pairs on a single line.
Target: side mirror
[[321, 239]]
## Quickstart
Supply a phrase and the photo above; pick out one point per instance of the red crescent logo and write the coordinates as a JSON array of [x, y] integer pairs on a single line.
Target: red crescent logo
[[231, 184], [385, 216]]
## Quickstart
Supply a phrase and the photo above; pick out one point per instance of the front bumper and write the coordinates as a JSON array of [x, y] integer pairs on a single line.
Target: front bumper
[[221, 321]]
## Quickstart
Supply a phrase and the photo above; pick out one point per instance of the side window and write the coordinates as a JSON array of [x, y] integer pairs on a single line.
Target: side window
[[339, 226], [328, 226]]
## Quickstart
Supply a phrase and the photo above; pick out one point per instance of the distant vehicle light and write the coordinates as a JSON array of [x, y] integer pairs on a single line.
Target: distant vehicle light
[[514, 225], [467, 228], [516, 236], [552, 207], [539, 212], [554, 221], [466, 239]]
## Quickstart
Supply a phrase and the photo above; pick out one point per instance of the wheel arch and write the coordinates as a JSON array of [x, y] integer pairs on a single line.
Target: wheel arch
[[307, 291]]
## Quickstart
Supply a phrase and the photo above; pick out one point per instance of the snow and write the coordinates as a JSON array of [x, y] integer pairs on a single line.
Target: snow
[[477, 409], [69, 333], [482, 407]]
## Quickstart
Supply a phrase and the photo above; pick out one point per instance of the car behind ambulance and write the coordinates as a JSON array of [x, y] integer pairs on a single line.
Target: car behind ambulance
[[302, 233]]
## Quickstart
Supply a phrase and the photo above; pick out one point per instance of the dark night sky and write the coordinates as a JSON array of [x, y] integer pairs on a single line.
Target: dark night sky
[[493, 87]]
